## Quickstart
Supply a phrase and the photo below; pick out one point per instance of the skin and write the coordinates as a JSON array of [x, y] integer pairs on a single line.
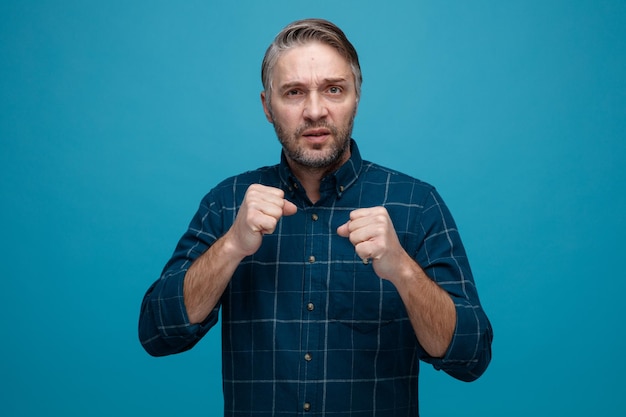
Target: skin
[[312, 108], [313, 105]]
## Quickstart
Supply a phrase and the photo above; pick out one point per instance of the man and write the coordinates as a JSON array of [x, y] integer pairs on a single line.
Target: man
[[335, 276]]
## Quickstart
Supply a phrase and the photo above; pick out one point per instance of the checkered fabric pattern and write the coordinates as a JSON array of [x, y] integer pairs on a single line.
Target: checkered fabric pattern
[[307, 327]]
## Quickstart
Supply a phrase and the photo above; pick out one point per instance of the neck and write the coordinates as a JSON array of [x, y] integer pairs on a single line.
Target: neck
[[310, 177]]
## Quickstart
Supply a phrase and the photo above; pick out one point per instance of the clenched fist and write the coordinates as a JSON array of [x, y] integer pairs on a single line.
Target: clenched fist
[[371, 232], [258, 215]]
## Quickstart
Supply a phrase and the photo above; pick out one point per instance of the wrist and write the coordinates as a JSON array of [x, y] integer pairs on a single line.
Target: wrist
[[408, 273], [230, 247]]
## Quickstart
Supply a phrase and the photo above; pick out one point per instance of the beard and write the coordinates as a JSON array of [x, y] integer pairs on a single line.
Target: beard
[[317, 157]]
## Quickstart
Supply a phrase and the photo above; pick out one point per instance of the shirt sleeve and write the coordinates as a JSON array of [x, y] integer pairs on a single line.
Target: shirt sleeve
[[443, 258], [164, 326]]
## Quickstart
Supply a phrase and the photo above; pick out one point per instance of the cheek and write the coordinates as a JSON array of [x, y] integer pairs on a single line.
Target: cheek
[[347, 115], [288, 118]]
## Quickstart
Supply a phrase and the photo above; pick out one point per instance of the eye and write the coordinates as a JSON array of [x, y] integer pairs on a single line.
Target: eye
[[292, 93], [334, 90]]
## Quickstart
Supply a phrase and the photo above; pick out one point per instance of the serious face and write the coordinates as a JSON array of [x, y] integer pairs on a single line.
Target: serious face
[[312, 106]]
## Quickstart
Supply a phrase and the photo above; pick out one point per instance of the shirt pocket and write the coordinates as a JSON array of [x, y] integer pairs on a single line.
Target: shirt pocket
[[361, 300]]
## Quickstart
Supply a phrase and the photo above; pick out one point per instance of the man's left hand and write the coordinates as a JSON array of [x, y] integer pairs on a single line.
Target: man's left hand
[[374, 238]]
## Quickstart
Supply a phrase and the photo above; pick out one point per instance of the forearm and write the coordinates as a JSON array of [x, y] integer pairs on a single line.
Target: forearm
[[208, 277], [165, 324], [430, 309], [164, 328]]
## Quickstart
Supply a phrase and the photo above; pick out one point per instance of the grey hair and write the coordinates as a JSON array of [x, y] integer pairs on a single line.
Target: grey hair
[[304, 31]]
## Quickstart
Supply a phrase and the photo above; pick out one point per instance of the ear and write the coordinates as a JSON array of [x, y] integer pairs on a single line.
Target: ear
[[266, 110]]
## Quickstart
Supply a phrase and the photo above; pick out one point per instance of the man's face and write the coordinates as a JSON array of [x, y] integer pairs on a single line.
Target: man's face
[[313, 105]]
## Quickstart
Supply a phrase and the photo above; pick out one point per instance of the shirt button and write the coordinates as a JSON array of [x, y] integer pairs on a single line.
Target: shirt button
[[314, 216], [310, 306], [308, 357], [307, 406], [311, 259]]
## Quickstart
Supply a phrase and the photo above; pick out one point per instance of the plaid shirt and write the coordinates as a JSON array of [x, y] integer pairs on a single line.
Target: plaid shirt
[[307, 327]]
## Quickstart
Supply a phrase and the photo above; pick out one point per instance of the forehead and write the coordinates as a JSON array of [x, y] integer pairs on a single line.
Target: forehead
[[311, 61]]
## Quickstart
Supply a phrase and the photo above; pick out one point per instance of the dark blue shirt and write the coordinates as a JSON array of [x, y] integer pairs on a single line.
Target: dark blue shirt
[[307, 327]]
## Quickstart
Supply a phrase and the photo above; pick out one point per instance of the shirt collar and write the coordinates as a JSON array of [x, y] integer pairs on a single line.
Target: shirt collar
[[339, 181]]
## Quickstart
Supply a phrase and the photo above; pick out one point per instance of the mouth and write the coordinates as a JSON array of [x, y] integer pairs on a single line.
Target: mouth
[[316, 134]]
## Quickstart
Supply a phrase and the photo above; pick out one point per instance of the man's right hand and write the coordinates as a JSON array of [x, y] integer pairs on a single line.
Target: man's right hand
[[258, 215]]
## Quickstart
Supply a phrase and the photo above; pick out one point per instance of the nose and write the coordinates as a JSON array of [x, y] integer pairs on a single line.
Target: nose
[[314, 107]]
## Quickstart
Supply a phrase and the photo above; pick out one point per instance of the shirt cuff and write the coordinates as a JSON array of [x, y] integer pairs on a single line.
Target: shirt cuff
[[469, 352], [172, 319]]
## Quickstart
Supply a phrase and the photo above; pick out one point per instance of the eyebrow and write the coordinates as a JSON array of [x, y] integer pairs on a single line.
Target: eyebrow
[[292, 84]]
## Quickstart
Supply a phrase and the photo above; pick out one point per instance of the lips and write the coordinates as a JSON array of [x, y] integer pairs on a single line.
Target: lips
[[318, 132]]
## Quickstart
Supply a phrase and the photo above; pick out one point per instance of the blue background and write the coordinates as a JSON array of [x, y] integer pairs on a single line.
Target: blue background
[[116, 117]]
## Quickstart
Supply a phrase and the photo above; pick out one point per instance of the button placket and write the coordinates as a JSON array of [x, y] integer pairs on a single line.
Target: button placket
[[314, 270]]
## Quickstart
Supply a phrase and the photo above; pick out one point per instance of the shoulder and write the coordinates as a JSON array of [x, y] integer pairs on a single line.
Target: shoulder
[[267, 175], [407, 198], [402, 185], [235, 187]]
